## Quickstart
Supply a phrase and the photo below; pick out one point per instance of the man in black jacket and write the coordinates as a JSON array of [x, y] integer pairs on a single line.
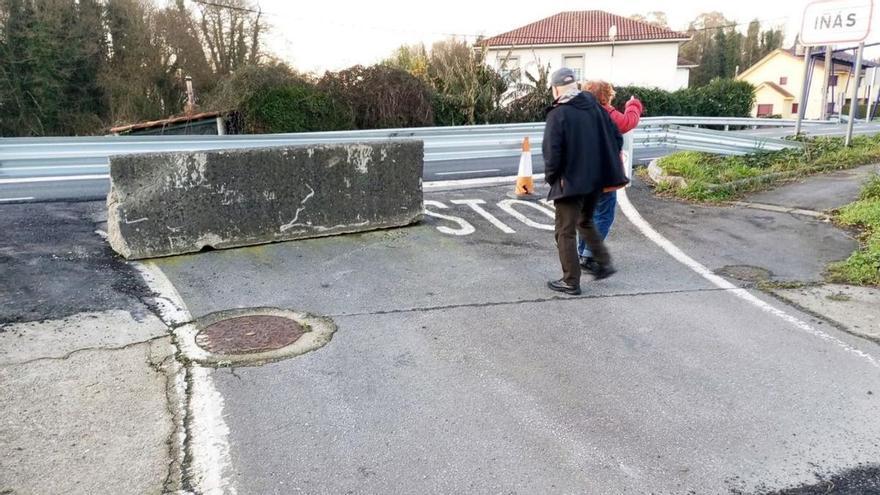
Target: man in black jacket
[[581, 157]]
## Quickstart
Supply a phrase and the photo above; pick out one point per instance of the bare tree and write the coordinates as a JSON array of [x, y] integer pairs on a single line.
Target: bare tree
[[232, 33]]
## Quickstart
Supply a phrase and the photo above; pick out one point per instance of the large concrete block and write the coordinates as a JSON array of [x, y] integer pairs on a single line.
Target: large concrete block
[[173, 203]]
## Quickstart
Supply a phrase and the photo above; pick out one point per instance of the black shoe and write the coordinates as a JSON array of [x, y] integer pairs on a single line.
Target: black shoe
[[603, 271], [560, 286], [589, 265]]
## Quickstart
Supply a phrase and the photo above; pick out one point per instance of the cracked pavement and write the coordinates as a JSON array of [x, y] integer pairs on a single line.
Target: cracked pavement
[[453, 368]]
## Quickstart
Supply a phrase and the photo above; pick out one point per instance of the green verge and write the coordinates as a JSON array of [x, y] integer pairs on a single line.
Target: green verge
[[715, 178], [863, 267]]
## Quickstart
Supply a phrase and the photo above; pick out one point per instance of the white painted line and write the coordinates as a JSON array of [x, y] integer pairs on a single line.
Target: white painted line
[[172, 309], [508, 206], [671, 249], [468, 172], [484, 181], [465, 228], [475, 205], [209, 444], [59, 178], [17, 199]]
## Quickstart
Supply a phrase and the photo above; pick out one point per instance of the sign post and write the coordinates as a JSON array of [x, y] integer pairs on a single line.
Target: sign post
[[805, 92], [829, 56], [829, 22], [854, 98]]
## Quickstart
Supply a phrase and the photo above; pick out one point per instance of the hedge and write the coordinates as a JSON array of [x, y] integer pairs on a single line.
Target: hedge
[[276, 99], [719, 98], [299, 107]]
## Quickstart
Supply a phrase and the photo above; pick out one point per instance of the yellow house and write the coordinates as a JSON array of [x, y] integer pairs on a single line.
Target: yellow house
[[778, 78]]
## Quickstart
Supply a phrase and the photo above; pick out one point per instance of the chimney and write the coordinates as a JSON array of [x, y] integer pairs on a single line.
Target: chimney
[[190, 97]]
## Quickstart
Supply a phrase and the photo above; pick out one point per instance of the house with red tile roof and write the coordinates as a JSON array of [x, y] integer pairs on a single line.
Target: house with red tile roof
[[596, 45]]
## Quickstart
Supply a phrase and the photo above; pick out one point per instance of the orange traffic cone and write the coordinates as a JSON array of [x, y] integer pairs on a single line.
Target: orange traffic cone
[[525, 184]]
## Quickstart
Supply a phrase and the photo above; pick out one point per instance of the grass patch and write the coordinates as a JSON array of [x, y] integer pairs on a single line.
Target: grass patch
[[863, 266], [715, 178]]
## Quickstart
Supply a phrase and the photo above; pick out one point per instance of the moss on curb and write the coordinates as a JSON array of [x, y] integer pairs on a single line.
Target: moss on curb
[[714, 178]]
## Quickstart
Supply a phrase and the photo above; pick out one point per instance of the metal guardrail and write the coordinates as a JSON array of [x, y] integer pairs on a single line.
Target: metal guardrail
[[67, 156]]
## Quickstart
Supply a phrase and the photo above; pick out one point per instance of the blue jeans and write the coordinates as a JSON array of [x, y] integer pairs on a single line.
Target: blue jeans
[[603, 217]]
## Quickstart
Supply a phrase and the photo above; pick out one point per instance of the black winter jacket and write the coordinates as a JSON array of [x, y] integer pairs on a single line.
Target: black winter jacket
[[581, 149]]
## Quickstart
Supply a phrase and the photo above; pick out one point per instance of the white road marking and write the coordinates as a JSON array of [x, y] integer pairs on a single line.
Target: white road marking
[[27, 180], [17, 199], [475, 205], [465, 227], [485, 181], [507, 206], [209, 444], [470, 172], [671, 249]]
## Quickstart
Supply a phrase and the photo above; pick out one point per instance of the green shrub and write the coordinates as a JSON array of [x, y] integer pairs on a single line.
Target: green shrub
[[380, 96], [234, 90], [719, 98], [871, 189], [723, 98], [295, 108], [863, 266]]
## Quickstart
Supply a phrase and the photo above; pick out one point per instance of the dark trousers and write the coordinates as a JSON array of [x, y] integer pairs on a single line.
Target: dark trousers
[[574, 216], [603, 217]]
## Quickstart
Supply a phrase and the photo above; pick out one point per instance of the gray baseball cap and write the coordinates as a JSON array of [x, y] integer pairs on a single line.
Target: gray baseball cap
[[562, 77]]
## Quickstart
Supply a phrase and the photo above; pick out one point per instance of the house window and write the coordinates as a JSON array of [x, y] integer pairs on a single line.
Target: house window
[[794, 108], [765, 110], [509, 69], [783, 81], [575, 63], [832, 81]]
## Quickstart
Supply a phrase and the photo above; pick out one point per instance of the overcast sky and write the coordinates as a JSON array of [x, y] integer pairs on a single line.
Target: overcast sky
[[316, 36]]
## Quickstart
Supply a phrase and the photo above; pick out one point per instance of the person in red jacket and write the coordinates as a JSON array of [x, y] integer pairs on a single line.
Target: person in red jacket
[[625, 121]]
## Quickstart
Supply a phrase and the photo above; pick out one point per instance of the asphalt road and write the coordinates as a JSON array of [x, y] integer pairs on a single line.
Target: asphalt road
[[454, 370]]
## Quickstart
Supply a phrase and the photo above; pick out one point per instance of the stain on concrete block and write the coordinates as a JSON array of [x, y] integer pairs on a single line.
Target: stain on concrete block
[[174, 203]]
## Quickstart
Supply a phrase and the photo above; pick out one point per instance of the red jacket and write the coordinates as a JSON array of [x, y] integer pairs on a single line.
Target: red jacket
[[629, 119]]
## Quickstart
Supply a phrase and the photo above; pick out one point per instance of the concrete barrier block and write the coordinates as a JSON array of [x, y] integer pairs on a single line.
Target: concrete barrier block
[[173, 203]]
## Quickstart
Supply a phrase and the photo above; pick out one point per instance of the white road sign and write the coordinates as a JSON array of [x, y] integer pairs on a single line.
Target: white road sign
[[836, 21]]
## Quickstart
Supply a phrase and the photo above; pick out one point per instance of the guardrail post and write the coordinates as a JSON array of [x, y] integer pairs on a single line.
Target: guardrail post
[[628, 147]]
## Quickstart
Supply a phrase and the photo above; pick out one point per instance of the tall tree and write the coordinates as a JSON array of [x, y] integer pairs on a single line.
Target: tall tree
[[751, 49], [412, 58], [232, 34], [657, 18], [51, 52], [467, 91], [718, 47]]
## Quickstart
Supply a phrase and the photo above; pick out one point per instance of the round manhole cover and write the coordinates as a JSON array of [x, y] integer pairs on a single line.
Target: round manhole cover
[[249, 334]]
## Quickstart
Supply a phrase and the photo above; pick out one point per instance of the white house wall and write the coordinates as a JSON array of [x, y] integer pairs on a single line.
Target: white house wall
[[642, 64]]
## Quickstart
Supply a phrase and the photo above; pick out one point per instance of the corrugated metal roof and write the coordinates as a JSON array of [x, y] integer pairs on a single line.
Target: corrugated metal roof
[[165, 122]]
